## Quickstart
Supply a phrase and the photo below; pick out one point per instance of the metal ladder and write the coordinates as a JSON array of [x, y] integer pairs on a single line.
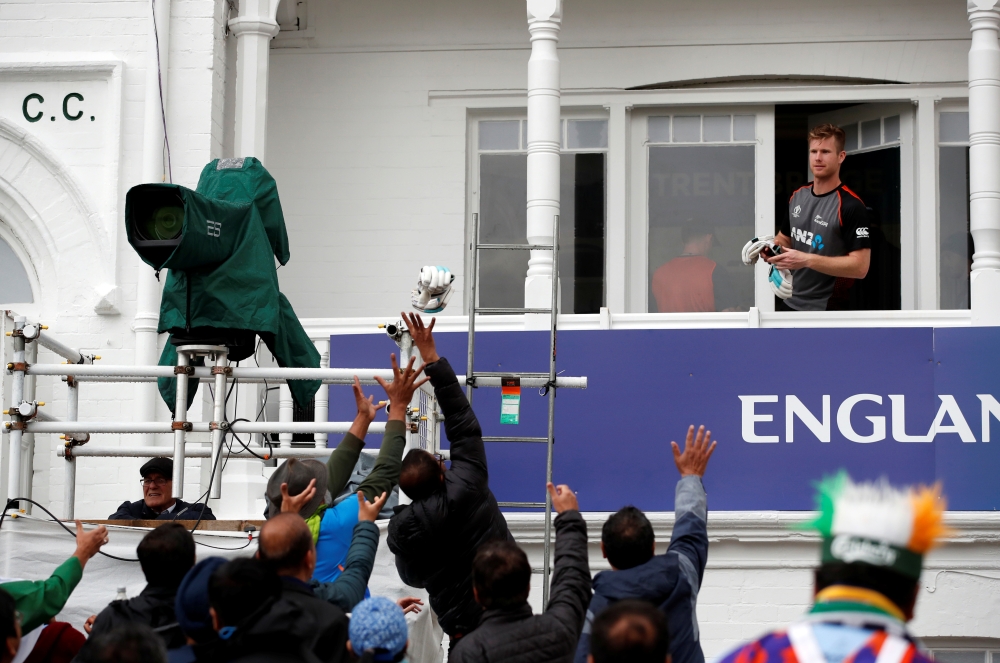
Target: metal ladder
[[550, 385]]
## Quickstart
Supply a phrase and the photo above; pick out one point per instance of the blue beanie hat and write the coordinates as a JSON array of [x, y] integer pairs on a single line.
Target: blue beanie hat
[[378, 623], [191, 605]]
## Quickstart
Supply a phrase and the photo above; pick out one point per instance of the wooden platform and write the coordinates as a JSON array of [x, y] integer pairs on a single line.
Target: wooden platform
[[205, 525]]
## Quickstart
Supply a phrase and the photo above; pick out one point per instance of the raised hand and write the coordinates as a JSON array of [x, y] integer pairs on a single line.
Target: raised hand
[[369, 510], [422, 336], [410, 604], [694, 460], [88, 543], [400, 390], [294, 503], [367, 407], [563, 499]]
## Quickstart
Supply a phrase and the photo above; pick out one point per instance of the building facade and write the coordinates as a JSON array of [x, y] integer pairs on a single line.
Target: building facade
[[393, 129]]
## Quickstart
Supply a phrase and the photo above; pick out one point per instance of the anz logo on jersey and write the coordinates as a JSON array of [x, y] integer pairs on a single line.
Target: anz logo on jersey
[[806, 237]]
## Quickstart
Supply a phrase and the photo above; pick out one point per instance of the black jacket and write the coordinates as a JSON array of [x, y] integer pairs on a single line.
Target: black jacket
[[514, 635], [329, 623], [435, 539], [154, 607], [183, 511]]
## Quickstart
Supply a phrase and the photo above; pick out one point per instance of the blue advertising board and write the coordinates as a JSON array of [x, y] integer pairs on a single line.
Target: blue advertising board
[[786, 406]]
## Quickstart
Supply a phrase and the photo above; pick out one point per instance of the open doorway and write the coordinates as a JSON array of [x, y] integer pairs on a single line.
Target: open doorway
[[872, 170]]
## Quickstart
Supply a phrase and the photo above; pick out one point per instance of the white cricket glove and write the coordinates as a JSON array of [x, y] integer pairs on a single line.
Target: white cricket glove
[[780, 281], [433, 289], [752, 249]]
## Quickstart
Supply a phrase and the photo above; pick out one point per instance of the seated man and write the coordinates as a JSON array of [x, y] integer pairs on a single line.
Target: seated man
[[670, 581], [874, 538], [166, 554], [157, 503], [453, 512], [501, 579], [630, 631], [286, 546], [38, 601], [304, 487]]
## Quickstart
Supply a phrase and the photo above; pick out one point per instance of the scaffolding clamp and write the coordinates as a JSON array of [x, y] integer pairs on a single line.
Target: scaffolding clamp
[[218, 425], [14, 367], [185, 370], [221, 370], [181, 425]]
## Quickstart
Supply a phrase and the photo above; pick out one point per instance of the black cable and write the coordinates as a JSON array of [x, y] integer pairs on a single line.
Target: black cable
[[56, 520], [159, 78]]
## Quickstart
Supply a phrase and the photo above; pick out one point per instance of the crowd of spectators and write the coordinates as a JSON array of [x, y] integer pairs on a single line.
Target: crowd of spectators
[[303, 596]]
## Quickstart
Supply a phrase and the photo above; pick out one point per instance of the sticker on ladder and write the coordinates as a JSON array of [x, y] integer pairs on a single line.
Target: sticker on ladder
[[510, 400]]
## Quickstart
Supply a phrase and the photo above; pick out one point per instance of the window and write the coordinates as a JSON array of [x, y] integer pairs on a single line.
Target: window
[[503, 196], [14, 277], [701, 206], [954, 239], [970, 655]]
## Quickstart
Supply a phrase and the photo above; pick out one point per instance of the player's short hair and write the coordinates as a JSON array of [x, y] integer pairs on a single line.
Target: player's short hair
[[166, 555], [419, 475], [501, 575], [241, 587], [827, 130], [628, 538], [630, 631]]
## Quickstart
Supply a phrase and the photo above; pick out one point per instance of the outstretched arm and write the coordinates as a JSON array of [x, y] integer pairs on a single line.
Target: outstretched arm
[[341, 463], [348, 589], [690, 534], [571, 582]]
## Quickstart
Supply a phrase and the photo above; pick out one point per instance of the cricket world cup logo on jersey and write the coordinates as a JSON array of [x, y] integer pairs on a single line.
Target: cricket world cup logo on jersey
[[797, 211]]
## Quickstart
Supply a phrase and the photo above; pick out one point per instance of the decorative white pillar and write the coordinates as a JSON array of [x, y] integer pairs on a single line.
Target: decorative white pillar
[[154, 169], [286, 413], [984, 160], [544, 129], [321, 406], [254, 28]]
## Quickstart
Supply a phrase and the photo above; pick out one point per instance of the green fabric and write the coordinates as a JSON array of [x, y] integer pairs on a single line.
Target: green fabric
[[313, 522], [348, 589], [38, 601], [385, 475], [846, 606], [223, 275], [848, 549]]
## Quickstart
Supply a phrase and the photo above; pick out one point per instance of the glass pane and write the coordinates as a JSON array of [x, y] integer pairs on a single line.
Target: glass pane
[[871, 133], [584, 134], [659, 130], [851, 137], [16, 286], [687, 128], [955, 257], [954, 128], [501, 135], [717, 128], [891, 125], [502, 203], [959, 656], [744, 127], [701, 212]]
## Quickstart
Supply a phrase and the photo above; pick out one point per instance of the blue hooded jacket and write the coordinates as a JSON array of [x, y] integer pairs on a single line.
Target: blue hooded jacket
[[670, 581]]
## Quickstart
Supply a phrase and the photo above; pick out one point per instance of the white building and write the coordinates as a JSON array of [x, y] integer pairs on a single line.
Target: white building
[[389, 126]]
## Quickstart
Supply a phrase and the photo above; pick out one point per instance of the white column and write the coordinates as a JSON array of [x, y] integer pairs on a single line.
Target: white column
[[544, 18], [321, 407], [147, 309], [984, 160], [616, 261], [254, 28], [286, 412]]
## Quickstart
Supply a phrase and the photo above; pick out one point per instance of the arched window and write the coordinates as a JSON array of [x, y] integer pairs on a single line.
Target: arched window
[[16, 287]]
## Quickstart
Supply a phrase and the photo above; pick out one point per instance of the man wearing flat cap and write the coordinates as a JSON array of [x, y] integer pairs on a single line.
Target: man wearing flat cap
[[157, 503]]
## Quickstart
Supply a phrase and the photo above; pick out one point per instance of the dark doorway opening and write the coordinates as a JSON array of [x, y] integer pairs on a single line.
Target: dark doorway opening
[[874, 176]]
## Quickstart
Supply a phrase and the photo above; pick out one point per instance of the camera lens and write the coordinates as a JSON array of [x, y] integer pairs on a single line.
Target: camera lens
[[164, 223]]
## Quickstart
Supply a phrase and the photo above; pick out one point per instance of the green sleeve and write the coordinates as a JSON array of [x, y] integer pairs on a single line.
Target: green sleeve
[[38, 601], [385, 474], [348, 589], [341, 463]]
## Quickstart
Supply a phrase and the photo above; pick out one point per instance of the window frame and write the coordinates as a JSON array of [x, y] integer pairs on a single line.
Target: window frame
[[12, 240], [473, 173], [951, 106]]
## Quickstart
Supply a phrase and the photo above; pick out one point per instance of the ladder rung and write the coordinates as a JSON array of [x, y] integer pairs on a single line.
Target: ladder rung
[[525, 505], [488, 374], [498, 311], [514, 247], [537, 440]]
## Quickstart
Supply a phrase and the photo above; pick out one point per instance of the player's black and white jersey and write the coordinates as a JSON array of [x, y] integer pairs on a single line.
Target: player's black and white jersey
[[832, 224]]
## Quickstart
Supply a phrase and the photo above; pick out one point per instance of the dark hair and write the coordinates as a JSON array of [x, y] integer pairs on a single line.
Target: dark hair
[[630, 631], [501, 575], [8, 629], [284, 550], [824, 131], [132, 642], [694, 229], [166, 554], [894, 586], [419, 475], [240, 587], [628, 538]]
